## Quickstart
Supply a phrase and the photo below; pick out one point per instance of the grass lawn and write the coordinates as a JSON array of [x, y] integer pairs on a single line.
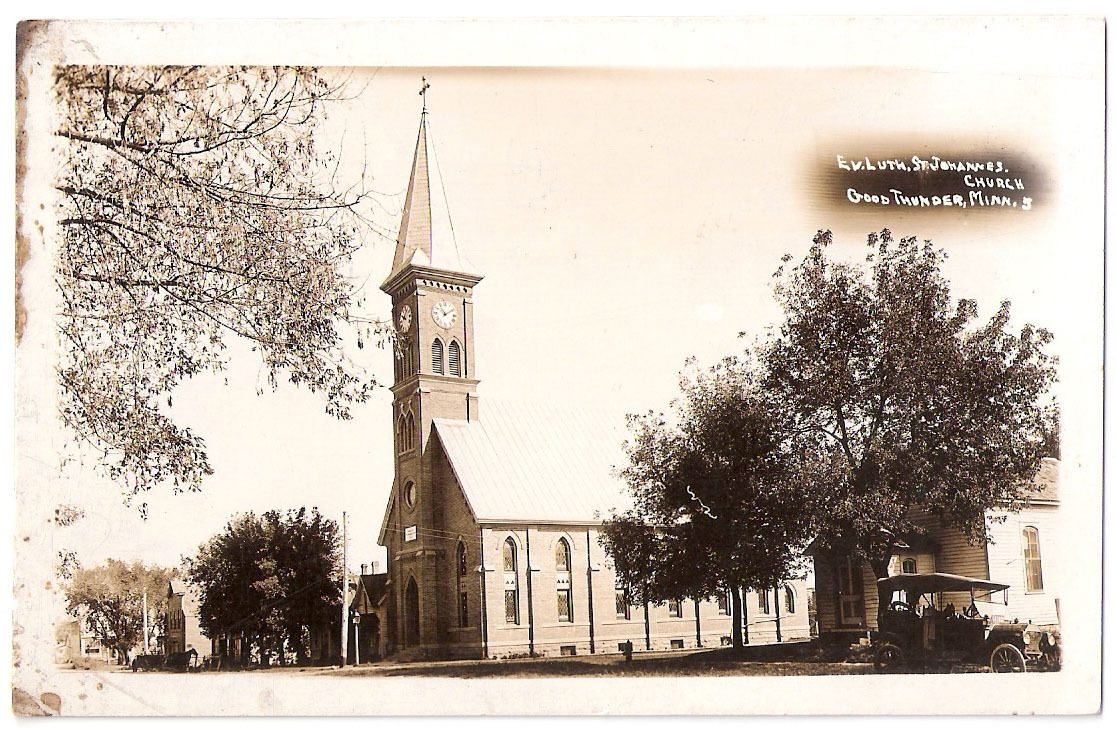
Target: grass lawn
[[774, 660]]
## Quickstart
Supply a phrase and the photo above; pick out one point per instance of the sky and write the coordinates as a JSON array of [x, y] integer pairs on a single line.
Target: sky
[[623, 220]]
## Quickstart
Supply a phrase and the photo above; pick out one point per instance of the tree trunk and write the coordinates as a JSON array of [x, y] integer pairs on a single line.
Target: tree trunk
[[737, 627], [879, 569]]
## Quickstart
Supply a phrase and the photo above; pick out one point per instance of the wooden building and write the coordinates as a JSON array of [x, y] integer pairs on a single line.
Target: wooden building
[[847, 599]]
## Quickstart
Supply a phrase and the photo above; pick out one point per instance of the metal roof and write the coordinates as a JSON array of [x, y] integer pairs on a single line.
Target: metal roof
[[527, 462]]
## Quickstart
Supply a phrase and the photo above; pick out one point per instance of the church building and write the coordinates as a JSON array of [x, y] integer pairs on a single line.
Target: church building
[[492, 526]]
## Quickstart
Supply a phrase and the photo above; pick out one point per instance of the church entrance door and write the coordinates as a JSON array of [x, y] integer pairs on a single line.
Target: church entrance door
[[411, 614]]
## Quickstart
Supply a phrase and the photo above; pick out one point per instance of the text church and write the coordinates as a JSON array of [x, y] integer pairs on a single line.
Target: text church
[[492, 526]]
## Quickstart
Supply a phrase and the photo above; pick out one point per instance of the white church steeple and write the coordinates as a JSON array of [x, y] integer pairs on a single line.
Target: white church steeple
[[426, 236]]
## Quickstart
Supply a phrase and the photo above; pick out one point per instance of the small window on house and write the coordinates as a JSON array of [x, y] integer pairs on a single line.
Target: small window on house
[[788, 599], [765, 601], [910, 565], [437, 364], [454, 358], [623, 604], [1032, 559], [722, 604], [674, 607]]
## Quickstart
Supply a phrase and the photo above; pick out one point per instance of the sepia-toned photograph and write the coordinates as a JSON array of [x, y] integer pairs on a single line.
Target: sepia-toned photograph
[[707, 366]]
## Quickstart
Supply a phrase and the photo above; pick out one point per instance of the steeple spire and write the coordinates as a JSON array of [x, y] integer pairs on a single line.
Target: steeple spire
[[426, 232]]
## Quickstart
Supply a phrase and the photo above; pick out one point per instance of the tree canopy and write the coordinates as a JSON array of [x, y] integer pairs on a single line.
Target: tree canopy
[[109, 598], [908, 403], [269, 578], [715, 504], [195, 209]]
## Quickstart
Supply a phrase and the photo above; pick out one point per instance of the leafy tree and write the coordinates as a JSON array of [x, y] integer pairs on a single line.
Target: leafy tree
[[906, 402], [269, 579], [1052, 433], [196, 209], [110, 600], [715, 504], [308, 568]]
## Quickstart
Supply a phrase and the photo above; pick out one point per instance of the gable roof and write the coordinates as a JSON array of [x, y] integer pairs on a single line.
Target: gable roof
[[370, 586], [1047, 479], [529, 462]]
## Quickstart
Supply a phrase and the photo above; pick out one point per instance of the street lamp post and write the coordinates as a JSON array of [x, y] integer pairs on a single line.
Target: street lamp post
[[356, 637]]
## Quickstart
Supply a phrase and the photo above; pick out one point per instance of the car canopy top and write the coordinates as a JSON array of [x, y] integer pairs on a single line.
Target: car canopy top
[[926, 583]]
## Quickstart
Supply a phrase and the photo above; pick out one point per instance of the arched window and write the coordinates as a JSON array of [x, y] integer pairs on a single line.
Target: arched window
[[764, 601], [910, 565], [788, 599], [511, 583], [462, 594], [437, 365], [406, 431], [562, 568], [1032, 559], [723, 603], [674, 607], [454, 358]]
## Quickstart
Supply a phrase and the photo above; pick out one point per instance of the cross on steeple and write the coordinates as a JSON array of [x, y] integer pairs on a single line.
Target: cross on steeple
[[425, 87]]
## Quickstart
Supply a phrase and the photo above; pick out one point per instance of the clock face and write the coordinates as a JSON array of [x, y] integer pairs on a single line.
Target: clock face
[[405, 318], [444, 314]]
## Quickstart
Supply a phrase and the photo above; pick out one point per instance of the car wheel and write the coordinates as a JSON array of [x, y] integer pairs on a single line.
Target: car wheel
[[889, 658], [1007, 658]]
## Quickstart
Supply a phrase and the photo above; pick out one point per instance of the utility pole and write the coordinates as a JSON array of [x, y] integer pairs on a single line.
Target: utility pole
[[145, 628], [344, 591]]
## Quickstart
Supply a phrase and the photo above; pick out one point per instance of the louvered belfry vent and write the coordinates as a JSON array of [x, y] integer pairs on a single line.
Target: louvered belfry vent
[[454, 359], [436, 358]]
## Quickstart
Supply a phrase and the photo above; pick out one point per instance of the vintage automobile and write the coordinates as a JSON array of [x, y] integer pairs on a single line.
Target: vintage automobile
[[916, 632], [180, 662]]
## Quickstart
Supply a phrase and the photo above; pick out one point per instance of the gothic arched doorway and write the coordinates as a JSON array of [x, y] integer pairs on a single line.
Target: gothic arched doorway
[[411, 614]]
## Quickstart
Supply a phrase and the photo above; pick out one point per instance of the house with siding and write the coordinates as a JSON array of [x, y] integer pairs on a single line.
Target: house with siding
[[493, 523], [847, 600]]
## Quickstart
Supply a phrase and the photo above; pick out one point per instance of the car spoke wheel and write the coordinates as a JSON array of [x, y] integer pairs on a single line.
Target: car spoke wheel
[[1007, 658], [889, 658]]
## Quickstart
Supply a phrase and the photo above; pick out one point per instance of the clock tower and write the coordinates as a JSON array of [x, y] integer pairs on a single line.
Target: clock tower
[[431, 290]]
